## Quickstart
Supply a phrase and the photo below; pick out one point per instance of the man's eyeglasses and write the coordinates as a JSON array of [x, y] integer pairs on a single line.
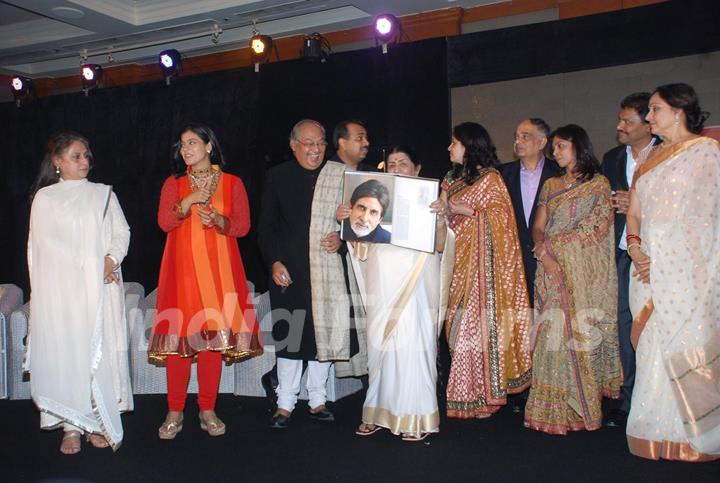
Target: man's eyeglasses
[[313, 144]]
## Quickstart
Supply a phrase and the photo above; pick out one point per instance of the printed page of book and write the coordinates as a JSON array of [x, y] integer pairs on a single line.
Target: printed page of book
[[413, 223]]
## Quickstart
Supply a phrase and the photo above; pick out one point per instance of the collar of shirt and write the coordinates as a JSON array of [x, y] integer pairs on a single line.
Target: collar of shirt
[[538, 168]]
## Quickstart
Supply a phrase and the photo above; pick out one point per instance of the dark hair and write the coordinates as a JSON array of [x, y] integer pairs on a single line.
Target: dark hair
[[56, 147], [637, 101], [479, 151], [399, 148], [587, 165], [542, 126], [341, 130], [372, 189], [683, 96], [208, 136]]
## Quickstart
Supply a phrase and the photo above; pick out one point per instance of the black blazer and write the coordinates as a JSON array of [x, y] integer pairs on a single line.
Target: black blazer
[[614, 165], [511, 174]]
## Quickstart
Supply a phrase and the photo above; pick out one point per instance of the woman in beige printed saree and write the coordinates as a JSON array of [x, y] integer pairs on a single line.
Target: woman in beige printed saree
[[576, 358]]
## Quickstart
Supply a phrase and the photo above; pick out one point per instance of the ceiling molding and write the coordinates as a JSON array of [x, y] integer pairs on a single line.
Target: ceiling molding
[[146, 13], [38, 31]]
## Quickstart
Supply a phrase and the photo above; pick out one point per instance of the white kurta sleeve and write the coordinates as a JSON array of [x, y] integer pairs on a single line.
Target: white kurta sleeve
[[119, 230]]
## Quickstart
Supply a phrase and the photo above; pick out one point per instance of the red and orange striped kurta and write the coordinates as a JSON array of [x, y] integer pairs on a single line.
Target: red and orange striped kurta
[[203, 301]]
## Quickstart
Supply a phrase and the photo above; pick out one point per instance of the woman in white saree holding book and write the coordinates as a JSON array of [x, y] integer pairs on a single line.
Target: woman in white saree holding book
[[673, 232], [77, 353], [400, 288]]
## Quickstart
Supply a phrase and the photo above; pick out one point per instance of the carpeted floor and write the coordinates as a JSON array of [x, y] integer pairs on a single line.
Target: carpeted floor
[[495, 449]]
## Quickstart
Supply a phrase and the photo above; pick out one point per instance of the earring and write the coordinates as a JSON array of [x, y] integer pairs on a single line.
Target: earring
[[57, 170]]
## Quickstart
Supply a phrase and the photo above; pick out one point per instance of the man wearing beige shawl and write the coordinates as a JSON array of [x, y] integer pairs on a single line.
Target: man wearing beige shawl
[[311, 305]]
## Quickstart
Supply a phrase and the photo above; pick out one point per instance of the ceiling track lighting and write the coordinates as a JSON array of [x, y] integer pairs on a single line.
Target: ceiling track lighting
[[387, 29]]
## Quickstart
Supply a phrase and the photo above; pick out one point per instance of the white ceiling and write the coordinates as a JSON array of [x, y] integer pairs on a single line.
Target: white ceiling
[[46, 38]]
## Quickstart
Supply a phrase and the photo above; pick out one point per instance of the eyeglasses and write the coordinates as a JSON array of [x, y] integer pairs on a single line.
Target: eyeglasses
[[313, 144]]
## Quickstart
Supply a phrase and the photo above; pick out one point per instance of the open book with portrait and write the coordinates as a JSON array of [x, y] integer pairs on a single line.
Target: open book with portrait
[[390, 208]]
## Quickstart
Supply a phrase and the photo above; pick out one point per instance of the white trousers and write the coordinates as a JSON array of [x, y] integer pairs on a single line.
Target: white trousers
[[289, 373]]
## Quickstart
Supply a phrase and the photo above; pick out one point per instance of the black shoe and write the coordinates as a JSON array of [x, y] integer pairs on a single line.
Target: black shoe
[[323, 415], [616, 419], [279, 421]]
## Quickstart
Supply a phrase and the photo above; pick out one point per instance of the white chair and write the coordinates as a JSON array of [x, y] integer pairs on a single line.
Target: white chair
[[11, 297], [248, 374], [18, 385]]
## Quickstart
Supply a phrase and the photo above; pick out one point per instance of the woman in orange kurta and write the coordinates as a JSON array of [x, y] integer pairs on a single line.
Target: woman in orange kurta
[[488, 318], [203, 307]]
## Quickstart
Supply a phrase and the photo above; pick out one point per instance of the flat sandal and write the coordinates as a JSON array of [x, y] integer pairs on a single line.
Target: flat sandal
[[212, 424], [170, 429]]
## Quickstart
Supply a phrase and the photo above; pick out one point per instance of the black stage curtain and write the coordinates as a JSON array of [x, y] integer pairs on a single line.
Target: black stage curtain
[[403, 97], [653, 32]]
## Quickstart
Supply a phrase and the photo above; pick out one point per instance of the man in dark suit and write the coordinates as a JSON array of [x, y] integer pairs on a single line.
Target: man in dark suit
[[635, 139], [524, 179]]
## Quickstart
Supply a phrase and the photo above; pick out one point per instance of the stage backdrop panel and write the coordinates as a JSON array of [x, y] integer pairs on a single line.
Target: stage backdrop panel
[[590, 98]]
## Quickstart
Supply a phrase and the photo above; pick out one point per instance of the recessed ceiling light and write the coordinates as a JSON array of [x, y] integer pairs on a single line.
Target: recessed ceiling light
[[68, 12]]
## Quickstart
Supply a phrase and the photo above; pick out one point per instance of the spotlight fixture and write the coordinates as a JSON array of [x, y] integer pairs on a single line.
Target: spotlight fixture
[[260, 49], [91, 77], [22, 88], [170, 63], [388, 29], [315, 48]]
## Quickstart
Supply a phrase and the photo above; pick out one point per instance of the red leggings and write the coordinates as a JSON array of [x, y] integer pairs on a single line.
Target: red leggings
[[209, 368]]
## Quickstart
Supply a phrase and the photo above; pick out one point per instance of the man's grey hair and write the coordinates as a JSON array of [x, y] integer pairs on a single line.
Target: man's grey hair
[[296, 128]]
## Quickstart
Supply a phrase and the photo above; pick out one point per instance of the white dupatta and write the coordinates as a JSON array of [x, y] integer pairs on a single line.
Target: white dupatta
[[78, 361]]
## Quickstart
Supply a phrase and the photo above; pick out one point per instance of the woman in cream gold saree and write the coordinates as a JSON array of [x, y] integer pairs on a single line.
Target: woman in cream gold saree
[[674, 242], [576, 359]]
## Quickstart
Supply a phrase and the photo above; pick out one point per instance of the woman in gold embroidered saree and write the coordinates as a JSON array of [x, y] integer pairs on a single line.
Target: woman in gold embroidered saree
[[576, 358], [674, 241], [488, 317]]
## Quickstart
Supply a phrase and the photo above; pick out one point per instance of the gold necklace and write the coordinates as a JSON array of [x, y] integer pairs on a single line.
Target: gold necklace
[[210, 180], [202, 172]]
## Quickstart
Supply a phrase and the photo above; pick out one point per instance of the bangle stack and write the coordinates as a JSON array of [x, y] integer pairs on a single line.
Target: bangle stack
[[632, 241]]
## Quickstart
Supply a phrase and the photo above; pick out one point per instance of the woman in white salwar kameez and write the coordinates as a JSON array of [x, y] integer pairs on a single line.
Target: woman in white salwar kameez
[[400, 289], [77, 350], [673, 232]]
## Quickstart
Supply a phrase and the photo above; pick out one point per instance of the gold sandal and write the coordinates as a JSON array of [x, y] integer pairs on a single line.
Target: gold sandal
[[170, 429], [212, 424], [70, 442]]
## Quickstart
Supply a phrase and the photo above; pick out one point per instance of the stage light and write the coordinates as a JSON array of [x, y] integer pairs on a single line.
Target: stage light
[[315, 48], [22, 88], [388, 29], [170, 62], [260, 48], [91, 77]]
